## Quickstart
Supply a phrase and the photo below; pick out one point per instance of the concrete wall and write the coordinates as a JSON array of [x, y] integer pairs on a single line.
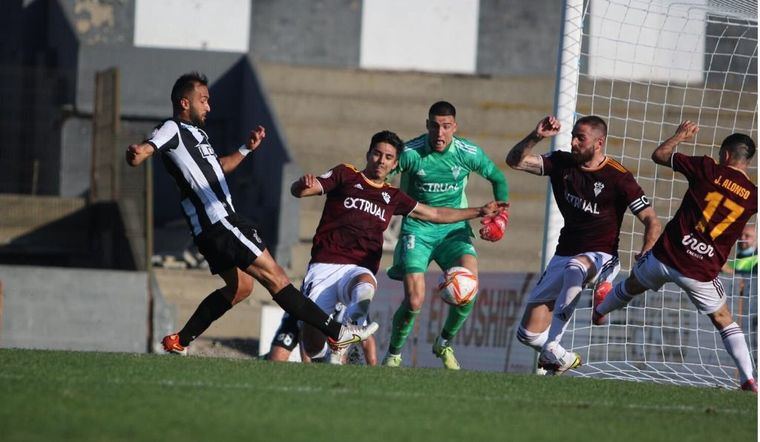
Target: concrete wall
[[518, 38], [322, 33], [60, 309]]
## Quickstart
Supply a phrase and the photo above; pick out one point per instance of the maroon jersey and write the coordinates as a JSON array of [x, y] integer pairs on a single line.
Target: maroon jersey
[[356, 214], [719, 202], [592, 202]]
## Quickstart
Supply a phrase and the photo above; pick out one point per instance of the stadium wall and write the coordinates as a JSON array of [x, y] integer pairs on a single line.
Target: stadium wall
[[84, 310]]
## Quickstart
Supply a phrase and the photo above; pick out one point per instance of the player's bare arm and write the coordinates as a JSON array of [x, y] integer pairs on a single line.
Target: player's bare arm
[[446, 215], [664, 151], [307, 185], [137, 153], [652, 230], [233, 160], [520, 157]]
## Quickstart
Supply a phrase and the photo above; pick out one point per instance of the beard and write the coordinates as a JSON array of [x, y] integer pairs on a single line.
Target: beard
[[581, 158], [197, 118]]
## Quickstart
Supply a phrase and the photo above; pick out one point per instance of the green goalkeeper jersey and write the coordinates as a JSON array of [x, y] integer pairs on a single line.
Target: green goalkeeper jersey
[[439, 179]]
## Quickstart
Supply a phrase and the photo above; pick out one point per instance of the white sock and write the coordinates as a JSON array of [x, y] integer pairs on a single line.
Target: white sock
[[618, 299], [559, 352], [531, 339], [736, 346], [361, 296], [575, 274]]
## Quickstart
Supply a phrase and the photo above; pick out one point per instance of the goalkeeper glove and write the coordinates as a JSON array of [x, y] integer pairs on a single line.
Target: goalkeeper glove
[[494, 226]]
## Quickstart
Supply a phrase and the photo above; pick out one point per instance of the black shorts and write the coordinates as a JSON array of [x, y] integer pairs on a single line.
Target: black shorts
[[287, 334], [231, 242]]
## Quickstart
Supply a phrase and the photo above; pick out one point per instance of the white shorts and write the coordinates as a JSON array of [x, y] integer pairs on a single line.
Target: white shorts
[[548, 287], [328, 284], [708, 297]]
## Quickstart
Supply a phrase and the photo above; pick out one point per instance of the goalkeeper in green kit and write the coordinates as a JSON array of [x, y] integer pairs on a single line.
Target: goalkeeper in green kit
[[435, 169]]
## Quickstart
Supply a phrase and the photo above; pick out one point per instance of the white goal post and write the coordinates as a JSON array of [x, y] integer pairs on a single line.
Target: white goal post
[[644, 66]]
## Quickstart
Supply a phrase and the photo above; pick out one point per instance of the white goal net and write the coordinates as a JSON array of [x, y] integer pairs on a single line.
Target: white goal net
[[645, 66]]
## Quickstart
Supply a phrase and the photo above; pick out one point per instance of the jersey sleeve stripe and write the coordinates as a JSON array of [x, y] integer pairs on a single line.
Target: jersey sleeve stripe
[[617, 165], [415, 144], [466, 147]]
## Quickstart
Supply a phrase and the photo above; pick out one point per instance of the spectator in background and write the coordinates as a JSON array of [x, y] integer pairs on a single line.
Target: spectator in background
[[745, 263]]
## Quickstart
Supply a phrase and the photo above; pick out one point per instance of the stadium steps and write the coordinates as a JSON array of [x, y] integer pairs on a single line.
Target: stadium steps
[[44, 230], [328, 115], [23, 214]]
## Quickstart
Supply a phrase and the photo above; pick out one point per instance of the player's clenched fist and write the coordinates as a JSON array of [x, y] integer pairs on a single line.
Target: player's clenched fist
[[255, 137], [309, 181], [136, 153], [548, 127]]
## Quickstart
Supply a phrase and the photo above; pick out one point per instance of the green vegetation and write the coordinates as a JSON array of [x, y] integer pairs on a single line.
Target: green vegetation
[[46, 395]]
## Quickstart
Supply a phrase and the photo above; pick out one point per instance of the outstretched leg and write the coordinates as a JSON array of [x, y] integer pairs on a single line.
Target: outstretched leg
[[265, 270], [238, 286]]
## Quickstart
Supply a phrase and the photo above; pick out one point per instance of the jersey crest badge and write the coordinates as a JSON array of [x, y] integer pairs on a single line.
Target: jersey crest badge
[[386, 197], [455, 170], [598, 187]]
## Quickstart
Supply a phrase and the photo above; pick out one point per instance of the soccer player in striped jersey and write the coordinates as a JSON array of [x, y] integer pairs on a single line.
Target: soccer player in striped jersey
[[435, 168], [696, 243], [592, 192], [231, 245], [348, 243]]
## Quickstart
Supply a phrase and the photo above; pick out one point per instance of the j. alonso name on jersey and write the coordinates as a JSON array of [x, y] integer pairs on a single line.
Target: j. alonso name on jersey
[[438, 187], [364, 206]]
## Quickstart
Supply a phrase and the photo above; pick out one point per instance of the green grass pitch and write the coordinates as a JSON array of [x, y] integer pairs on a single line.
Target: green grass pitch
[[53, 396]]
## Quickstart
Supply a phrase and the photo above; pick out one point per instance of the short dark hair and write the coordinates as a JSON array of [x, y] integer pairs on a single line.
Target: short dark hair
[[739, 146], [185, 84], [441, 109], [389, 137], [593, 121]]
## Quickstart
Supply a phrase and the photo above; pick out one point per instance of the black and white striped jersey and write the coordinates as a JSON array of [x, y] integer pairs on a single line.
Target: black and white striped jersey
[[192, 162]]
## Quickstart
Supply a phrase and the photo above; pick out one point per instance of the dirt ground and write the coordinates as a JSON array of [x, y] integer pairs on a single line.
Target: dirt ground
[[236, 334]]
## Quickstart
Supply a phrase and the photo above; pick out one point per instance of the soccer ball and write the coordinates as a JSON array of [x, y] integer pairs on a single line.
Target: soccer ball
[[458, 286]]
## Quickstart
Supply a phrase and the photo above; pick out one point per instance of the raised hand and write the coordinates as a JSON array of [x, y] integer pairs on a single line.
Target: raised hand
[[255, 137], [309, 181], [548, 127], [137, 153], [686, 130]]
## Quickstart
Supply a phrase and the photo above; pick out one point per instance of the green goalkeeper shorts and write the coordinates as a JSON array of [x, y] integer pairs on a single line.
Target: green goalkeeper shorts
[[414, 252]]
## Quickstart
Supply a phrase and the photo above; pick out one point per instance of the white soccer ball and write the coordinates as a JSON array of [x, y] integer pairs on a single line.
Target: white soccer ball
[[458, 286]]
